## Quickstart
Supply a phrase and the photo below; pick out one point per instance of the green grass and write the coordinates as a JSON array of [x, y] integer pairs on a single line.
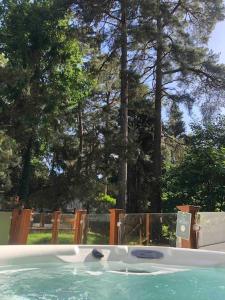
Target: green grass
[[42, 238], [97, 239]]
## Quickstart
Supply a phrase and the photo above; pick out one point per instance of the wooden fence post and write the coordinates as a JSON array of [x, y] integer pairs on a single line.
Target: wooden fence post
[[20, 226], [42, 220], [114, 219], [78, 225], [56, 216], [14, 226], [192, 242], [25, 219], [148, 224]]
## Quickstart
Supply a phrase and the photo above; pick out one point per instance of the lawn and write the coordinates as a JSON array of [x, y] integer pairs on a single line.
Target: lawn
[[39, 238]]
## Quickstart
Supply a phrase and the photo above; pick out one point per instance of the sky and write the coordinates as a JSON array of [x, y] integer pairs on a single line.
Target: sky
[[217, 40]]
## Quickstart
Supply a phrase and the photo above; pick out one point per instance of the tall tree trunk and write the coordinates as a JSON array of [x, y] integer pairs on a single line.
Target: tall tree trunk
[[81, 138], [27, 155], [81, 129], [122, 198], [133, 188], [78, 168], [107, 145], [156, 205], [25, 177]]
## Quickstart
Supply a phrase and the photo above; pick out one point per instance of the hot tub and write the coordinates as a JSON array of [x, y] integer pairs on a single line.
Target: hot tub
[[110, 272]]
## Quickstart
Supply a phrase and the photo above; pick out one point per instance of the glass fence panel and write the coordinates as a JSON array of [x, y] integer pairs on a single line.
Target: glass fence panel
[[40, 229], [66, 229], [133, 229], [96, 229], [212, 228], [5, 222], [148, 229], [41, 221]]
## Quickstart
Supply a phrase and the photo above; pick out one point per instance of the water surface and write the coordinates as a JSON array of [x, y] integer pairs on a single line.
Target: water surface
[[113, 281]]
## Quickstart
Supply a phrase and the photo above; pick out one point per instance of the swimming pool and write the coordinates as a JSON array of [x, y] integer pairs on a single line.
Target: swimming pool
[[71, 272]]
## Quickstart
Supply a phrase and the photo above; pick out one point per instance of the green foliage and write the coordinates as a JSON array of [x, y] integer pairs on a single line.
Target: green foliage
[[8, 160], [3, 61], [106, 199], [199, 178], [176, 125], [102, 204], [41, 54]]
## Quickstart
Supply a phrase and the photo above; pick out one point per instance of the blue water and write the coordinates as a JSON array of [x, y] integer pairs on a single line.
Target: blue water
[[94, 281]]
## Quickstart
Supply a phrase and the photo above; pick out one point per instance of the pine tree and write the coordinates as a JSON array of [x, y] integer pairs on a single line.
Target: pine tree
[[114, 16], [176, 125], [178, 60]]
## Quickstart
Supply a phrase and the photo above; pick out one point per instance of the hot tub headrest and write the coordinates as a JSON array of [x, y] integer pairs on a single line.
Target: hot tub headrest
[[97, 254], [148, 254]]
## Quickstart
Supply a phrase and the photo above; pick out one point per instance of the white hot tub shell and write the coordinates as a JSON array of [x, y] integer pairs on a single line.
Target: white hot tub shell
[[83, 253]]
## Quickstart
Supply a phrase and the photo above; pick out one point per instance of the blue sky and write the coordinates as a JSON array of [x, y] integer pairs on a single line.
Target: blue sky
[[217, 40]]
